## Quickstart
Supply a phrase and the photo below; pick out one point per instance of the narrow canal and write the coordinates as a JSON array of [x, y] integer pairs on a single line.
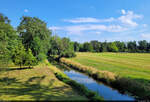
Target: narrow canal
[[106, 92]]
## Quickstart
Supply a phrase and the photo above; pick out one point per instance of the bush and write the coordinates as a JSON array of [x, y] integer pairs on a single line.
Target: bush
[[41, 57]]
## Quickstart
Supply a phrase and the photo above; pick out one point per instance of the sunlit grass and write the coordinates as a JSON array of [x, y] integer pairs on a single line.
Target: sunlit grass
[[38, 83], [134, 65]]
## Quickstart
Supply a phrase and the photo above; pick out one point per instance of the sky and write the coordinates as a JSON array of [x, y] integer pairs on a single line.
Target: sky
[[86, 20]]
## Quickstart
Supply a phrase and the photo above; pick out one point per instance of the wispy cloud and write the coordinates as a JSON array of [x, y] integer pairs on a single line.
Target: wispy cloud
[[127, 18], [88, 20], [26, 10], [145, 35], [80, 29], [82, 25]]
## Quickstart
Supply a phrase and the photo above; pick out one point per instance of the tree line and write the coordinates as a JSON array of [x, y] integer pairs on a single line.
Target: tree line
[[117, 46], [30, 43]]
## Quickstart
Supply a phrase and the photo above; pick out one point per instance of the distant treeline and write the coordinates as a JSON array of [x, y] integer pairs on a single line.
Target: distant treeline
[[116, 46]]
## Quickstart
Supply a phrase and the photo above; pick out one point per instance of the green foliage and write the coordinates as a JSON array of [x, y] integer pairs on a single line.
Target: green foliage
[[87, 47], [143, 45], [8, 39], [30, 60], [96, 45], [76, 46], [112, 47], [61, 47], [35, 35], [132, 46], [4, 19], [41, 57], [19, 55]]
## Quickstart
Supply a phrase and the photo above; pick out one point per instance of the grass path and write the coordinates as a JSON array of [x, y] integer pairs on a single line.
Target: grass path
[[38, 83], [134, 65]]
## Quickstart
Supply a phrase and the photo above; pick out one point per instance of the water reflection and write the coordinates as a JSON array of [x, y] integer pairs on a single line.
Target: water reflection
[[103, 90]]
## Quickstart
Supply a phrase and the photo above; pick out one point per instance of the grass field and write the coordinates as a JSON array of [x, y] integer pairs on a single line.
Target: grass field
[[133, 65], [38, 83]]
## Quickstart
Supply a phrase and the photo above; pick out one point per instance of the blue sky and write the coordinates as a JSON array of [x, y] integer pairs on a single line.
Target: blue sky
[[85, 20]]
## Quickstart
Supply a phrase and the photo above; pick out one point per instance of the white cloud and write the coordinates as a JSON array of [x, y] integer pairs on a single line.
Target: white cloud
[[123, 11], [98, 33], [127, 18], [88, 20], [80, 29], [146, 35], [125, 22], [26, 10]]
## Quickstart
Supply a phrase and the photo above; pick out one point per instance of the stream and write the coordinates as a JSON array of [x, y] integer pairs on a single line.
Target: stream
[[103, 90]]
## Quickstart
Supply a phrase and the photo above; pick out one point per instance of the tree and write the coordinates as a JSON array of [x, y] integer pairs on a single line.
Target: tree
[[132, 46], [4, 19], [76, 46], [30, 60], [121, 46], [112, 47], [8, 39], [35, 35], [61, 47], [104, 47], [142, 46], [19, 55], [87, 47], [96, 45]]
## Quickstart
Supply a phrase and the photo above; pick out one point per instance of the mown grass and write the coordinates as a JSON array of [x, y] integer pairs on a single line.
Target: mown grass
[[123, 83], [38, 83], [133, 65]]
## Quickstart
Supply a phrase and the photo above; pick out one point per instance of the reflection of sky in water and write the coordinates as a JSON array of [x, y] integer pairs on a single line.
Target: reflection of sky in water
[[103, 90]]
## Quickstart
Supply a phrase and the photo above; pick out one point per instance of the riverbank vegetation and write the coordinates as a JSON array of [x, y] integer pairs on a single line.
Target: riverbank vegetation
[[124, 84], [81, 89]]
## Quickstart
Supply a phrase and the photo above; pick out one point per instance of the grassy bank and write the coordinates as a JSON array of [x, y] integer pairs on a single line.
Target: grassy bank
[[122, 83], [82, 90], [38, 83]]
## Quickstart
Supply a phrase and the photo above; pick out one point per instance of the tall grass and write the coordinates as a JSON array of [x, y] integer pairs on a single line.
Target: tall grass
[[121, 83]]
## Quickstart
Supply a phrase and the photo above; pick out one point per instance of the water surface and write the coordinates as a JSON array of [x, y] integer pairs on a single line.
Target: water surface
[[106, 92]]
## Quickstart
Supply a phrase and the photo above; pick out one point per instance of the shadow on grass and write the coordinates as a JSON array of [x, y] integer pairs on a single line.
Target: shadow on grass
[[36, 91], [12, 69]]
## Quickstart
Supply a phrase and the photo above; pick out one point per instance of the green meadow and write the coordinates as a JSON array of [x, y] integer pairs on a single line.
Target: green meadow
[[133, 65]]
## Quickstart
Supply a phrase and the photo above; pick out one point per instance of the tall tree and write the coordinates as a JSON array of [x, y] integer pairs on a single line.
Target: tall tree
[[19, 55], [142, 45], [87, 47], [76, 46], [132, 46], [8, 39], [35, 35], [96, 45], [112, 47], [121, 46]]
